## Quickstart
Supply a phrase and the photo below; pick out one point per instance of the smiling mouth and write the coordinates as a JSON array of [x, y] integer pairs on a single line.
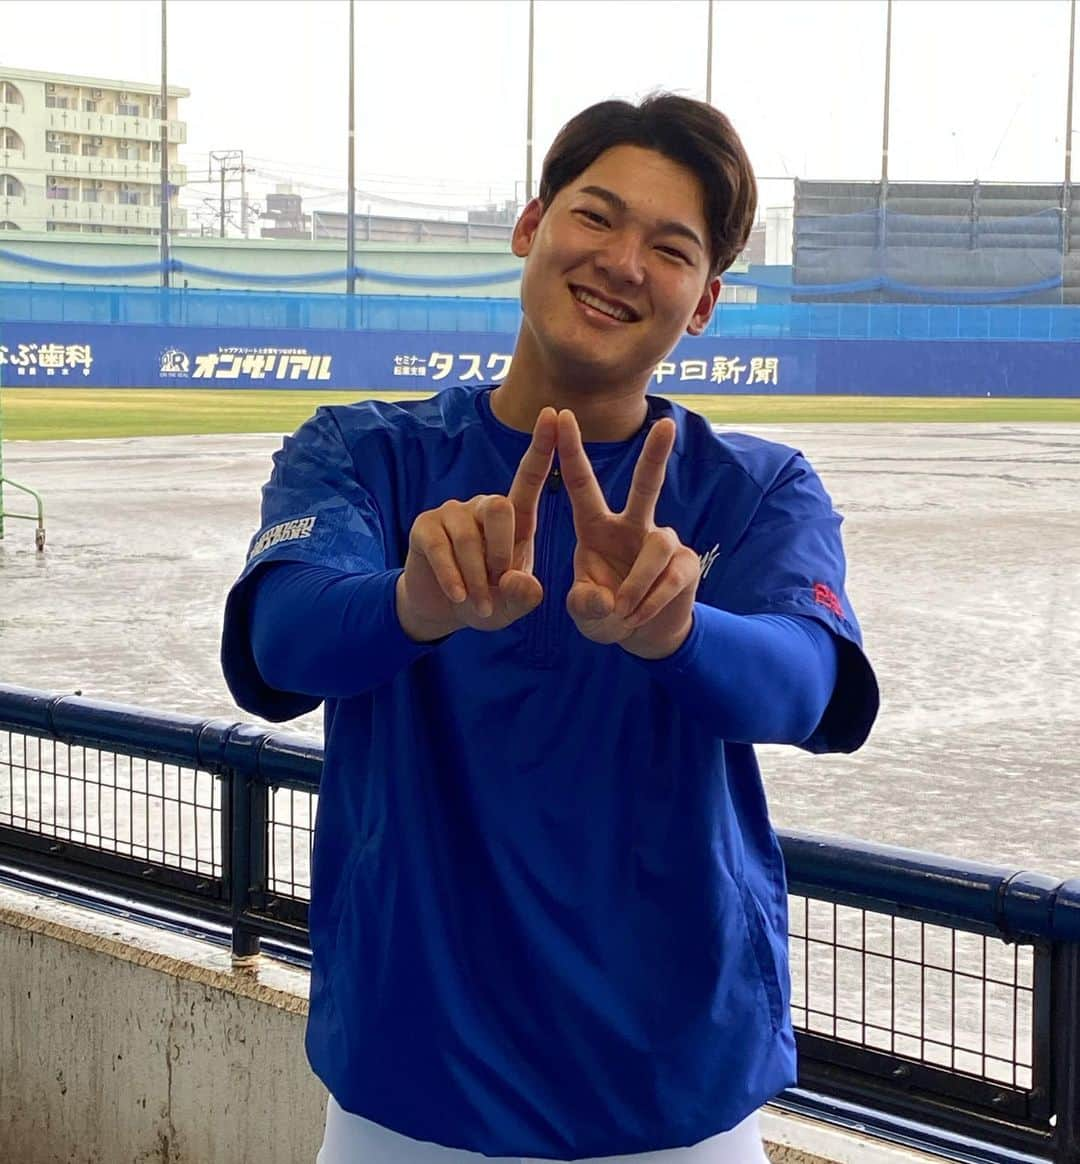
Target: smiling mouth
[[606, 307]]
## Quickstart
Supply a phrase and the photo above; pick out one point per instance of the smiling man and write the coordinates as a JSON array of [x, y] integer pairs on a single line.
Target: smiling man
[[549, 621]]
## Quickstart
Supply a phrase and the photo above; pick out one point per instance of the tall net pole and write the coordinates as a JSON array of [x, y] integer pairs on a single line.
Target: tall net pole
[[350, 208], [1066, 192], [163, 138], [529, 109], [883, 191], [708, 57]]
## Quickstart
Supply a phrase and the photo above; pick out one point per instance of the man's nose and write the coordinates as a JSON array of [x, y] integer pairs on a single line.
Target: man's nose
[[622, 257]]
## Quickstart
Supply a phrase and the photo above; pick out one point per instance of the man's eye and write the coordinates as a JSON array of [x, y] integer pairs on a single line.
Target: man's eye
[[593, 216], [675, 253]]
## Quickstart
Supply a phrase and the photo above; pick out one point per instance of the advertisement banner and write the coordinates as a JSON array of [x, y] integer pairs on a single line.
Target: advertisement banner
[[97, 355]]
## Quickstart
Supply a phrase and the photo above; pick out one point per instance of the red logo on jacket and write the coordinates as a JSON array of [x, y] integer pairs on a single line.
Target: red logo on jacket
[[824, 596]]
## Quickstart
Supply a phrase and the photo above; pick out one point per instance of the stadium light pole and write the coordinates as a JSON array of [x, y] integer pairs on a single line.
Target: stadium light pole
[[164, 139], [529, 112], [708, 56], [350, 214]]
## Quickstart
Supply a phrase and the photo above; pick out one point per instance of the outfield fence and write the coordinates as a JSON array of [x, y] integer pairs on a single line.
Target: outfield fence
[[936, 1002], [132, 337], [237, 310]]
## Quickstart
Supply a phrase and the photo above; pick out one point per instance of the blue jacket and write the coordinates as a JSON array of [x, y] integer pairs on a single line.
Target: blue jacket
[[548, 910]]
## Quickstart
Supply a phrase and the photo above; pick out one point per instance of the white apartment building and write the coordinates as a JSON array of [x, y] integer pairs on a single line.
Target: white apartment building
[[83, 154]]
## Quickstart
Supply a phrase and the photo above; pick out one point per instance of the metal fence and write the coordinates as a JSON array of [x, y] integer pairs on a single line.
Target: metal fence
[[936, 1002], [73, 303]]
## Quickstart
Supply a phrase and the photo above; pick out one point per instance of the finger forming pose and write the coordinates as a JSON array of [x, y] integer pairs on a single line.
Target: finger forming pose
[[548, 622]]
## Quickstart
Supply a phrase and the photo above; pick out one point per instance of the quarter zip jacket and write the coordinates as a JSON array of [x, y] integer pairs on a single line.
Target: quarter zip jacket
[[548, 909]]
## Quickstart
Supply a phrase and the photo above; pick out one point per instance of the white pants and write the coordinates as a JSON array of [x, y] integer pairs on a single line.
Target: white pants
[[353, 1140]]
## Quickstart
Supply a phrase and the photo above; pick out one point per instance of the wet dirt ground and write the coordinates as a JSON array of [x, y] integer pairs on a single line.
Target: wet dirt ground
[[964, 551]]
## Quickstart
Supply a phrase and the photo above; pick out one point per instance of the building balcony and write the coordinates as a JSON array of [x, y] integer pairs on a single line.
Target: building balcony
[[110, 125], [13, 209], [14, 116], [111, 214], [112, 169]]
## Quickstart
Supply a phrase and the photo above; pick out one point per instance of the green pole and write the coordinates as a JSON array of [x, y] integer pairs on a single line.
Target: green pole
[[39, 506], [1, 453]]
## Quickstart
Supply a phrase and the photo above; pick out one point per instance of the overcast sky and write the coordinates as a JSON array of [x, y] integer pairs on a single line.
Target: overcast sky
[[978, 85]]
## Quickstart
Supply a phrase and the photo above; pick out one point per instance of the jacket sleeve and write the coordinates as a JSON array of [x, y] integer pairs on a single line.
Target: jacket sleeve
[[756, 678], [315, 513], [787, 561]]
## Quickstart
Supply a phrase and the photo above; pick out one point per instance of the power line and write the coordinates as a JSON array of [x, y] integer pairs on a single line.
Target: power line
[[374, 177], [478, 193]]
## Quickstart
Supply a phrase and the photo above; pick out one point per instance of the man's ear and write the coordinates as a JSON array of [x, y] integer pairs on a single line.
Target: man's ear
[[699, 321], [525, 228]]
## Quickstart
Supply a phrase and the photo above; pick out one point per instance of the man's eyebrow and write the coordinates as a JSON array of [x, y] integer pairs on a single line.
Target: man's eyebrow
[[617, 203]]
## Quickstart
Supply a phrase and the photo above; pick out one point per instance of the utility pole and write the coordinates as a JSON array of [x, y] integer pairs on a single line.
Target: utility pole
[[228, 162], [164, 137]]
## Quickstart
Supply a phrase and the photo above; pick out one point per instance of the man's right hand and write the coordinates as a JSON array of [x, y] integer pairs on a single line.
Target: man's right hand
[[470, 562]]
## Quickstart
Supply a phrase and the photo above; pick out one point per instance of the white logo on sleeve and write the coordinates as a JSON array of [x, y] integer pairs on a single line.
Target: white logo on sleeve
[[286, 531], [707, 560]]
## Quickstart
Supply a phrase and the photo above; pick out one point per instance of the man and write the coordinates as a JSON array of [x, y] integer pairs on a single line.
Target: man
[[548, 622]]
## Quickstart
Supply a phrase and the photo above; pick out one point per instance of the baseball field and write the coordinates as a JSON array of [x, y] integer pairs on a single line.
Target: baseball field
[[45, 414]]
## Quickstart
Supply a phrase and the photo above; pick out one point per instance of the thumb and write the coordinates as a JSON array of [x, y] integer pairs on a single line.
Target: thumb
[[522, 592], [588, 602]]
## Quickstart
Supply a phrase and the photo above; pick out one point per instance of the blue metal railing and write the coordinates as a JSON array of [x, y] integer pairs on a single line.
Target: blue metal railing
[[76, 303], [936, 1002]]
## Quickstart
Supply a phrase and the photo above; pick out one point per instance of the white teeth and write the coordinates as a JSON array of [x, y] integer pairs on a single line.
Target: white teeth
[[600, 305]]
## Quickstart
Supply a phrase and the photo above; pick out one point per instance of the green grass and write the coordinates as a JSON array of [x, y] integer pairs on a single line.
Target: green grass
[[44, 414]]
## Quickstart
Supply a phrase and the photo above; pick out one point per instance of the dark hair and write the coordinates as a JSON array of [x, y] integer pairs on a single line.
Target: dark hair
[[686, 131]]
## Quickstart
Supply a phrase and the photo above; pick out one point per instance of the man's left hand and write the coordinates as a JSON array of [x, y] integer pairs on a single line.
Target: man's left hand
[[634, 582]]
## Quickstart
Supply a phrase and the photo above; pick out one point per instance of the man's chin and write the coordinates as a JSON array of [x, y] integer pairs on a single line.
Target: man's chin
[[601, 364]]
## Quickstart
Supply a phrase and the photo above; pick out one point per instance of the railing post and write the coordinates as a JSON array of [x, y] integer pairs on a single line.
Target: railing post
[[247, 850], [1065, 1046]]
